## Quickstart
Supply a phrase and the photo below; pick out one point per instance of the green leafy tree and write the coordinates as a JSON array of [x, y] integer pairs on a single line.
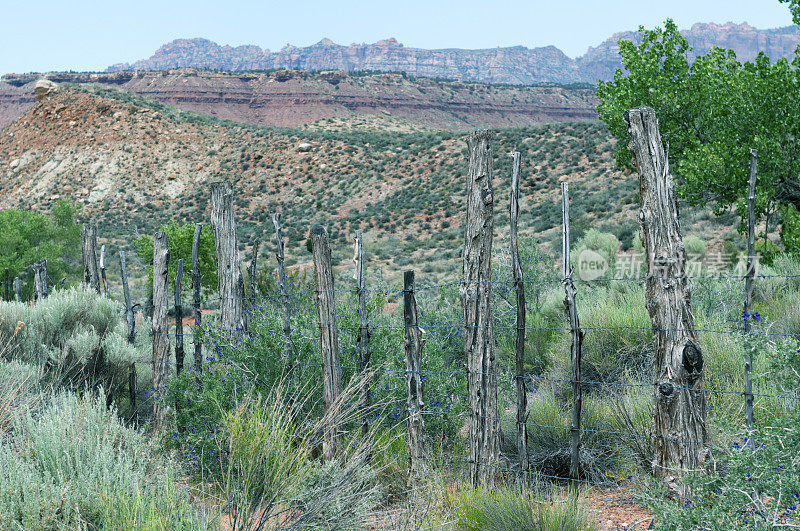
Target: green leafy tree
[[180, 239], [26, 237], [794, 9], [711, 112]]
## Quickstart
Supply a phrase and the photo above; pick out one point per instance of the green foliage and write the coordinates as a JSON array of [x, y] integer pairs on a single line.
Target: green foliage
[[26, 237], [603, 243], [759, 488], [711, 113], [794, 9], [76, 466], [255, 365], [694, 247], [514, 509], [180, 239]]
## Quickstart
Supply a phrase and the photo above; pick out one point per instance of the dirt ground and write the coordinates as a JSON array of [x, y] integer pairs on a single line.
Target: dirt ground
[[617, 510]]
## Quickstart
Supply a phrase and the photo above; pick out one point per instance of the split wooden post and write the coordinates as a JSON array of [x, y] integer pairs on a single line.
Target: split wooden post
[[748, 292], [363, 331], [414, 343], [91, 277], [329, 342], [126, 293], [576, 347], [160, 329], [17, 289], [231, 280], [103, 270], [131, 323], [6, 285], [39, 280], [475, 292], [198, 314], [178, 318], [251, 275], [288, 346], [680, 436], [519, 287]]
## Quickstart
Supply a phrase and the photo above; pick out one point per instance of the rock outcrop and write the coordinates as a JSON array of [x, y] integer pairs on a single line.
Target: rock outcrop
[[43, 88]]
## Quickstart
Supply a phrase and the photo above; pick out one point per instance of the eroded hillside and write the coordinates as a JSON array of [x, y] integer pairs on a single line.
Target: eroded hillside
[[135, 163]]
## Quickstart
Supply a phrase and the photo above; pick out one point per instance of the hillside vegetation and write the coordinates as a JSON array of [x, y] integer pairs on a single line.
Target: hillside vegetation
[[135, 163]]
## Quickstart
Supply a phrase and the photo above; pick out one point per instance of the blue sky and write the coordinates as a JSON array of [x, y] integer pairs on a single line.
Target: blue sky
[[82, 35]]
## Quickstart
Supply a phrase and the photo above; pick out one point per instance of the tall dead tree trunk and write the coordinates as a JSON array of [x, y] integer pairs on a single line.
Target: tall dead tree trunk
[[680, 441], [39, 280], [178, 318], [229, 265], [288, 346], [329, 342], [160, 329], [198, 314], [91, 277], [519, 288], [414, 344], [363, 331], [476, 291]]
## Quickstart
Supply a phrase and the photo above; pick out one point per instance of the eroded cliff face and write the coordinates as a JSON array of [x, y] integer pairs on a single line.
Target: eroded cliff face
[[514, 65], [294, 97], [601, 61]]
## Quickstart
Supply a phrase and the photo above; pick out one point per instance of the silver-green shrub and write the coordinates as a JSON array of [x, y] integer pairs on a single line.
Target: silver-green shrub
[[76, 465]]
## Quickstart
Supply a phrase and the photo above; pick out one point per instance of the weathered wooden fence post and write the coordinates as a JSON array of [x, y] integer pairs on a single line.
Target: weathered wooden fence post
[[17, 289], [576, 347], [91, 277], [103, 270], [363, 332], [131, 323], [476, 293], [680, 440], [748, 291], [251, 275], [160, 324], [178, 318], [414, 343], [126, 293], [229, 265], [39, 280], [196, 309], [329, 342], [288, 348], [519, 287], [6, 285]]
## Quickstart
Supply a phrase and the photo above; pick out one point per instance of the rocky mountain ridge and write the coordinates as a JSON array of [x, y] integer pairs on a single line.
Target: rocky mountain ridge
[[509, 65]]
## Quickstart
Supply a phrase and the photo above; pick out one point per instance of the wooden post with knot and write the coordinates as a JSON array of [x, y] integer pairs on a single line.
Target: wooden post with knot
[[680, 438]]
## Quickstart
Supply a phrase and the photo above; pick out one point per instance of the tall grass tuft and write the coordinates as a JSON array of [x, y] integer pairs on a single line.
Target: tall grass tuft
[[513, 509], [267, 470]]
